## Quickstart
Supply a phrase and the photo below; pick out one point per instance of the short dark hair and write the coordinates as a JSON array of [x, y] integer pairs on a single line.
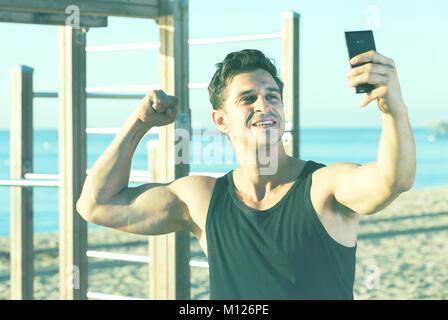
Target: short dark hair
[[234, 63]]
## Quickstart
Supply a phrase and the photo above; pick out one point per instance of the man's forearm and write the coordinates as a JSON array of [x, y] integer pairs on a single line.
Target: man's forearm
[[110, 173], [396, 153]]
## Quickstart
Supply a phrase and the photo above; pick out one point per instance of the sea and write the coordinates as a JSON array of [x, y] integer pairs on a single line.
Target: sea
[[213, 153]]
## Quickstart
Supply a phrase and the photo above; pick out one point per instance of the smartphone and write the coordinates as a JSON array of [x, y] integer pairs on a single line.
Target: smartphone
[[359, 42]]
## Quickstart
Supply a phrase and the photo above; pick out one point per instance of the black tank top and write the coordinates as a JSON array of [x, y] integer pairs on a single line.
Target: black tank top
[[280, 253]]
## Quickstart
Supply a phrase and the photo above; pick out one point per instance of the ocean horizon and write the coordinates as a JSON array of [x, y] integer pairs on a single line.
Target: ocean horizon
[[214, 153]]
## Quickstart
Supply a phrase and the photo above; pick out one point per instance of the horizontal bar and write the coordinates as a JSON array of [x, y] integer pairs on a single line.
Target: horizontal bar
[[134, 88], [52, 180], [37, 176], [29, 183], [54, 183], [235, 38], [122, 88], [135, 258], [53, 176], [154, 130], [45, 94], [200, 41], [104, 296], [92, 95], [123, 47], [115, 96], [118, 256], [99, 92], [135, 176]]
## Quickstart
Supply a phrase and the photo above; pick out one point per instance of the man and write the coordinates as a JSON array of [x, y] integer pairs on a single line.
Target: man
[[286, 234]]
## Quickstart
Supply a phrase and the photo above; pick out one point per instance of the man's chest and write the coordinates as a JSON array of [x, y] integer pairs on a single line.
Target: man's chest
[[268, 200]]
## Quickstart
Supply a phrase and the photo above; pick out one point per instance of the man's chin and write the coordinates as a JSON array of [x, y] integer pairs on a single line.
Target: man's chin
[[269, 134], [259, 137], [267, 140]]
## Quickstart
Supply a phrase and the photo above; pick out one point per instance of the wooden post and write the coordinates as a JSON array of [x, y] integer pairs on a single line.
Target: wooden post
[[72, 163], [290, 76], [21, 155], [169, 267]]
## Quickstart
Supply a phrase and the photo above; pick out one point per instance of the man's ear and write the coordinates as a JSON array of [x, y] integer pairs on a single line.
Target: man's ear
[[219, 118]]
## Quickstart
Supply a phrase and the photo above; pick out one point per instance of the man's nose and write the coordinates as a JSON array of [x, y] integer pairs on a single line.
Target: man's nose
[[261, 104]]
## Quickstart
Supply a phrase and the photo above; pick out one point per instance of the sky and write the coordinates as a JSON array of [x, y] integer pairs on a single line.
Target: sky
[[412, 33]]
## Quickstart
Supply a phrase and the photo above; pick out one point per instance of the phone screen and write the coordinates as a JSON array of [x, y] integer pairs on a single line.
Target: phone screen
[[359, 42]]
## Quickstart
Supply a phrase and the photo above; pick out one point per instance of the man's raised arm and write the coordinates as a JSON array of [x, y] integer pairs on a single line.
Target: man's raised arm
[[371, 187], [107, 200]]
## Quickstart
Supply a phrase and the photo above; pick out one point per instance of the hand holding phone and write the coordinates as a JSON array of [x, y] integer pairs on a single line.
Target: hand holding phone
[[359, 42]]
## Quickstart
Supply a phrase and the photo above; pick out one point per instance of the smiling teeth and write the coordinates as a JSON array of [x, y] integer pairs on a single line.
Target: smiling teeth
[[264, 123]]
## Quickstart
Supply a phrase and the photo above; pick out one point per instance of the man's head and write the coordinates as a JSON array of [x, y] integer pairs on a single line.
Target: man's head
[[246, 94], [234, 63]]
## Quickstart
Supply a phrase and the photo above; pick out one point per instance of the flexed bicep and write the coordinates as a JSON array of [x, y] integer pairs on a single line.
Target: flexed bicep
[[149, 209]]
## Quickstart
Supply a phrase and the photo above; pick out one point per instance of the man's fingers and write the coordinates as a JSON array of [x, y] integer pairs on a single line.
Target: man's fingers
[[372, 95], [372, 78], [161, 101], [374, 68], [371, 56], [170, 101], [370, 67]]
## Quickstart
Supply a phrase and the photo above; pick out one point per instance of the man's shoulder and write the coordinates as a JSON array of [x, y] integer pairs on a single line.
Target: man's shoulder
[[193, 186], [324, 182], [329, 176], [195, 192]]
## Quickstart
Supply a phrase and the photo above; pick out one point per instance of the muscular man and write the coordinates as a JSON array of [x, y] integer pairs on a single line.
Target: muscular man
[[286, 234]]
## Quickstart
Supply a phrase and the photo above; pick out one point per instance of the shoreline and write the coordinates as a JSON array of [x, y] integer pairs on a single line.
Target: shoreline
[[401, 254]]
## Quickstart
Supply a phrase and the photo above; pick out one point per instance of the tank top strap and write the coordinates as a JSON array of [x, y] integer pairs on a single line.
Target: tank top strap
[[218, 191], [310, 167]]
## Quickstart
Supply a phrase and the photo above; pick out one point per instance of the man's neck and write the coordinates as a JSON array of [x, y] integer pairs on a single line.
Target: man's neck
[[250, 181]]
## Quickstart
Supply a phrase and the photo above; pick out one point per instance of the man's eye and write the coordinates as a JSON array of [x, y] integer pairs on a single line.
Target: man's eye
[[271, 97], [248, 99]]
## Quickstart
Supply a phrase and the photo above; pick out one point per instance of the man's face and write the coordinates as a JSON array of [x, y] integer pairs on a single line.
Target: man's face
[[253, 110]]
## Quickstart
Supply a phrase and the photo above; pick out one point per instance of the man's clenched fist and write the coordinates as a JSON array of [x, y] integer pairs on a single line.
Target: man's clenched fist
[[157, 109]]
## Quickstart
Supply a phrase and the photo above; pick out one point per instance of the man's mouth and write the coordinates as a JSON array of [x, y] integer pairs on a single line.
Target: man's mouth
[[264, 123]]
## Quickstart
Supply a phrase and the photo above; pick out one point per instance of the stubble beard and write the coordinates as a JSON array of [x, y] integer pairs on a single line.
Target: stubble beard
[[260, 148]]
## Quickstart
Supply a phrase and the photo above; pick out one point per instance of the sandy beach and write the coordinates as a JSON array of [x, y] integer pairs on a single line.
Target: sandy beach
[[402, 253]]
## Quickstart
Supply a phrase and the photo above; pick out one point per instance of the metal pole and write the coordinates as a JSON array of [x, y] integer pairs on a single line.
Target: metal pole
[[21, 141], [290, 75]]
